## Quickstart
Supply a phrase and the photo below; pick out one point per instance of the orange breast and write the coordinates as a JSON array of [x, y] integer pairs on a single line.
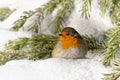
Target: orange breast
[[69, 41]]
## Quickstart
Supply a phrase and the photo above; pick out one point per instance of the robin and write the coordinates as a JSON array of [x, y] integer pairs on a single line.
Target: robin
[[70, 45]]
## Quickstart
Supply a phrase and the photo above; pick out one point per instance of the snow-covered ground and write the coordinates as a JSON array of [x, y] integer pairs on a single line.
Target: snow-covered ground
[[52, 69]]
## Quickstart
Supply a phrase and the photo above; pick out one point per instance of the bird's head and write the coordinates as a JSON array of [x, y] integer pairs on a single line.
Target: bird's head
[[69, 37]]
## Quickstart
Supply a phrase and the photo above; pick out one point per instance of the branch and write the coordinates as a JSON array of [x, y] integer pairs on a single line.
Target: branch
[[86, 8], [93, 43], [112, 44], [116, 75]]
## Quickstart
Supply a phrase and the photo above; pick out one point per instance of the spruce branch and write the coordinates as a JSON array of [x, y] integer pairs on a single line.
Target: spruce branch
[[86, 8], [63, 14], [112, 45], [104, 6], [36, 23], [16, 44], [113, 35], [49, 7], [116, 68], [42, 12], [37, 47], [20, 22], [117, 75], [5, 12], [112, 6], [115, 12], [93, 43], [115, 71]]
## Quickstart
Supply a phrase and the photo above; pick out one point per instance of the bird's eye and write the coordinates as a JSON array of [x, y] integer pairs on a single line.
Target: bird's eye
[[67, 34], [60, 34], [75, 35]]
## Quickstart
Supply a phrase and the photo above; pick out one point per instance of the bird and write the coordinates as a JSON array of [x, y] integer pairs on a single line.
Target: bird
[[70, 45]]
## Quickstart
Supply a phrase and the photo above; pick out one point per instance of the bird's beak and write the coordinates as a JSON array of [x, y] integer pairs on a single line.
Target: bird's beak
[[62, 36]]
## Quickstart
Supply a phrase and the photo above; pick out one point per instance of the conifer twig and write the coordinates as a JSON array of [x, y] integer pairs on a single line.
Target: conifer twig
[[116, 75]]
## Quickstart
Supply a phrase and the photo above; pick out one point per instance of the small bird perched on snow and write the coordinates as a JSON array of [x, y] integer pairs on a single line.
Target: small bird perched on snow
[[70, 45]]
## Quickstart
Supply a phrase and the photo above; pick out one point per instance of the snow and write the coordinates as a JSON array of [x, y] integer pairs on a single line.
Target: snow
[[20, 6], [52, 69]]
